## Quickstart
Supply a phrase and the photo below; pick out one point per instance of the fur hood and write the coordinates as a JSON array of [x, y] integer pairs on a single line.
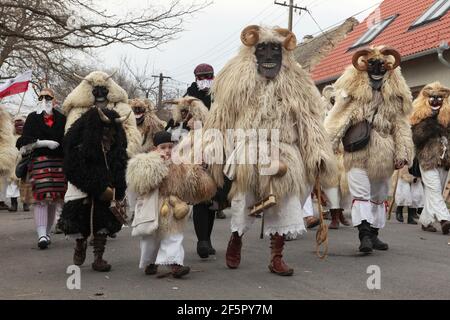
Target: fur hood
[[145, 172], [81, 96], [422, 108], [193, 105]]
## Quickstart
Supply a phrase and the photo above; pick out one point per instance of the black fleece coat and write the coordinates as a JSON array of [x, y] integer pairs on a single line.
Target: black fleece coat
[[85, 168], [205, 96], [427, 139], [35, 129]]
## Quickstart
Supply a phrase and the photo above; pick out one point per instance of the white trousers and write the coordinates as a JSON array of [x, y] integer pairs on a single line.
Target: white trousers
[[162, 250], [286, 218], [435, 208], [409, 195], [368, 198], [308, 209], [13, 191]]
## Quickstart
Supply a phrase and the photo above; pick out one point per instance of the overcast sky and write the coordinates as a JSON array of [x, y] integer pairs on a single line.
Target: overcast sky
[[212, 35]]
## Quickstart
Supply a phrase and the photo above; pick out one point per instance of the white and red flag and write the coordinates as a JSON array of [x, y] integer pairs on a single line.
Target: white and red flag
[[17, 85]]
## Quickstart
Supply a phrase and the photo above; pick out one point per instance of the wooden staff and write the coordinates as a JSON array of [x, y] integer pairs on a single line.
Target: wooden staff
[[391, 206], [21, 103]]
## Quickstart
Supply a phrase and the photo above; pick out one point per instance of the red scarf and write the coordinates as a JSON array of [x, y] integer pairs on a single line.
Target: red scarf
[[49, 120]]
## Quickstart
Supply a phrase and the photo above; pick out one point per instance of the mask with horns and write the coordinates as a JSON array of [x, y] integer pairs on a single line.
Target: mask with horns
[[269, 54], [376, 62]]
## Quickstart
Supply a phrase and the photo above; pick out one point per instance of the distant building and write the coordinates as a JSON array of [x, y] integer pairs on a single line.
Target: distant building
[[414, 28]]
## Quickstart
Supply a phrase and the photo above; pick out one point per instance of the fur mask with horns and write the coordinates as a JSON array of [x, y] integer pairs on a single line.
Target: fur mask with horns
[[269, 45], [141, 108], [188, 108], [432, 101], [377, 62]]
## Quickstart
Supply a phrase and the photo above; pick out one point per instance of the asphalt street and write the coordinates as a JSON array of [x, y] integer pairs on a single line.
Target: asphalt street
[[417, 266]]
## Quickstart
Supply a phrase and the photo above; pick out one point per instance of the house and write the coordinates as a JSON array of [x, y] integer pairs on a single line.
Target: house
[[313, 49], [415, 28]]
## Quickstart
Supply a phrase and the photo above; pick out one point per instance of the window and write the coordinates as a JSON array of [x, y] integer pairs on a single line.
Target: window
[[373, 32], [435, 12]]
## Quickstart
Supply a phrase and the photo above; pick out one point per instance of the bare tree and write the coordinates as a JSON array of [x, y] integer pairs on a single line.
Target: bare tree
[[142, 76]]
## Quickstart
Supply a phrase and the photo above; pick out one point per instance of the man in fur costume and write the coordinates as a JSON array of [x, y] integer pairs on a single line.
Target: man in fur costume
[[147, 121], [99, 89], [431, 133], [373, 92], [8, 154], [95, 163], [166, 190], [264, 88]]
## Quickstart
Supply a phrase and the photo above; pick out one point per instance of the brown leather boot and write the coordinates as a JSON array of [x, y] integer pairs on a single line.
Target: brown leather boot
[[334, 219], [79, 255], [342, 218], [429, 228], [151, 269], [445, 226], [233, 255], [277, 265], [179, 271], [99, 248]]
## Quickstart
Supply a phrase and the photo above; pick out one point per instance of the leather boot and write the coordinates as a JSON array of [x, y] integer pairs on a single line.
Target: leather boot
[[399, 214], [26, 207], [3, 206], [14, 205], [376, 242], [342, 218], [411, 213], [211, 250], [151, 269], [445, 226], [277, 265], [365, 236], [233, 255], [203, 249], [179, 271], [99, 248], [79, 255], [429, 228], [334, 219]]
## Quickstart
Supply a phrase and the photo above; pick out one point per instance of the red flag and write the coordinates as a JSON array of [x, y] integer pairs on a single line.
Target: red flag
[[17, 85]]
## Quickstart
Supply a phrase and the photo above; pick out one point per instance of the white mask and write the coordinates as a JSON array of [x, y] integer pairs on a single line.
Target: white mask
[[44, 105], [204, 84]]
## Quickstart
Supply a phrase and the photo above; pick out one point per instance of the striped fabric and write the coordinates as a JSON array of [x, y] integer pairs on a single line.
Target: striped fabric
[[47, 178]]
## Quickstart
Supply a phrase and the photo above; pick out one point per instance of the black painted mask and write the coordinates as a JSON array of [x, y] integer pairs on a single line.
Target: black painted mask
[[139, 114], [376, 70], [436, 103], [100, 93], [269, 57]]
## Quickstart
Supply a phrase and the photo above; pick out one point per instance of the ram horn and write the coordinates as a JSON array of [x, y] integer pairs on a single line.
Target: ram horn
[[290, 43], [123, 119], [250, 35], [103, 116], [355, 60], [110, 76], [395, 54]]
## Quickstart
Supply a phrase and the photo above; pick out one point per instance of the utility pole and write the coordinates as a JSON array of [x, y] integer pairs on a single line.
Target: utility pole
[[160, 93], [292, 7]]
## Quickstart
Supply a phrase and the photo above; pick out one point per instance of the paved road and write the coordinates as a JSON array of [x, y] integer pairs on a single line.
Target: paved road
[[416, 267]]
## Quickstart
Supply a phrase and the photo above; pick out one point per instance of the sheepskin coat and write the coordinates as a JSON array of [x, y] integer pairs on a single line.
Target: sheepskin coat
[[81, 100], [85, 168], [290, 103], [8, 151], [190, 183], [391, 138], [429, 130], [150, 125]]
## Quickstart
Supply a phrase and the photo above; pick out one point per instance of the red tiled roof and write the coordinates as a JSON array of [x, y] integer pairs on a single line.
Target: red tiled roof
[[396, 35]]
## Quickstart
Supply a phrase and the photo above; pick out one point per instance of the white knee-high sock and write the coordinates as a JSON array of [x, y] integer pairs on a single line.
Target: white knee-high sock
[[41, 219], [52, 208]]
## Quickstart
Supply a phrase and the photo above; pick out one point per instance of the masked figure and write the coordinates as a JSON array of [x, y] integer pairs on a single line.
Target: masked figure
[[431, 133], [264, 88], [370, 120], [42, 136], [95, 162], [99, 89], [200, 89], [8, 154], [147, 121]]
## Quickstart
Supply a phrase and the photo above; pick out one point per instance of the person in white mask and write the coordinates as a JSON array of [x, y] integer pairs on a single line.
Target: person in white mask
[[204, 78]]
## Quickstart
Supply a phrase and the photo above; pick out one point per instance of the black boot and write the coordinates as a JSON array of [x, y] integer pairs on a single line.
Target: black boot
[[419, 211], [14, 205], [411, 214], [26, 207], [399, 214], [365, 235], [377, 243], [203, 249], [211, 250], [3, 206]]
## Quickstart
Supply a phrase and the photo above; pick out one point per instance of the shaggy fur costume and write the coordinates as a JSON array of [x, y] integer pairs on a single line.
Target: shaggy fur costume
[[81, 100], [391, 138], [190, 183], [151, 123], [243, 99], [8, 152], [428, 130], [85, 168]]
